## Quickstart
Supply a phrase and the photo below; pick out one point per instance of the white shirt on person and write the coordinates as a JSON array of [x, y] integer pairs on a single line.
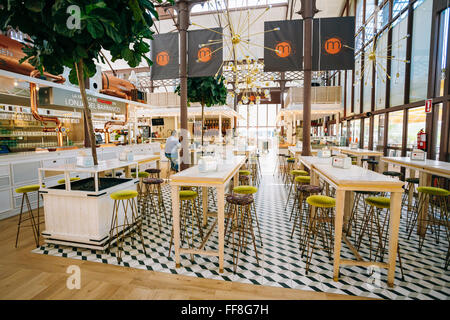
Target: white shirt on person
[[172, 144]]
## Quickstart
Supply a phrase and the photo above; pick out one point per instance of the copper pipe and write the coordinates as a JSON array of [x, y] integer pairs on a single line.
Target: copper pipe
[[115, 122]]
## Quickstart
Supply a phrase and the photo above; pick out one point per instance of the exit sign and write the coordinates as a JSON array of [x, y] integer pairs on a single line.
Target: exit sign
[[428, 105]]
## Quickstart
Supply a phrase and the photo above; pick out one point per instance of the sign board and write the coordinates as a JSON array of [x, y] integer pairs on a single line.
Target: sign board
[[65, 98], [205, 54], [165, 56], [428, 105]]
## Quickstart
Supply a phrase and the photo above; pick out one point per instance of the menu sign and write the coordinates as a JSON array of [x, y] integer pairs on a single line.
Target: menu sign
[[65, 98]]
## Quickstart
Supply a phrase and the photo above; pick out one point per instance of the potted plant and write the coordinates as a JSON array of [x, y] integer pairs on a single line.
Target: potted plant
[[208, 91]]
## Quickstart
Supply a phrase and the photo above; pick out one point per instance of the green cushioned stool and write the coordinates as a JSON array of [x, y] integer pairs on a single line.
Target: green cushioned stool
[[434, 191], [299, 173], [124, 195], [30, 188], [62, 181], [125, 204], [244, 172], [141, 174], [303, 179], [291, 160], [319, 224], [33, 217], [379, 202], [321, 201], [188, 195], [374, 224], [392, 173], [245, 190]]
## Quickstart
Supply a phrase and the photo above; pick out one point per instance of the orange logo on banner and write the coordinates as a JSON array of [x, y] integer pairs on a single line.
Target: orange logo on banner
[[283, 49], [204, 54], [333, 46], [162, 58]]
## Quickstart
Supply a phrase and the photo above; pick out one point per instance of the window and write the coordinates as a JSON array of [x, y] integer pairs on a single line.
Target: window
[[369, 30], [383, 16], [444, 25], [398, 67], [271, 115], [395, 129], [359, 14], [381, 72], [438, 128], [349, 91], [262, 115], [367, 91], [214, 5], [242, 109], [416, 121], [398, 6], [420, 50], [366, 132], [252, 115], [370, 8], [357, 84]]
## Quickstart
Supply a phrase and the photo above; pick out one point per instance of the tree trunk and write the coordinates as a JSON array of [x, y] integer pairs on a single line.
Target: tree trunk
[[79, 67], [203, 121]]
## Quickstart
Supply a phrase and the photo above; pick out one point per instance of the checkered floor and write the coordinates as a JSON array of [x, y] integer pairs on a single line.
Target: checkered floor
[[280, 261]]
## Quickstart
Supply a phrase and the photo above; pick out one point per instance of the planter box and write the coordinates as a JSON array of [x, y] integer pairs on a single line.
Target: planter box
[[82, 217]]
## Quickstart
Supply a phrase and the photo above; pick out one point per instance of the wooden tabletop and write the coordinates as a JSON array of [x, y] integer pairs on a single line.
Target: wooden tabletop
[[308, 161], [224, 172], [145, 158], [359, 152], [439, 168]]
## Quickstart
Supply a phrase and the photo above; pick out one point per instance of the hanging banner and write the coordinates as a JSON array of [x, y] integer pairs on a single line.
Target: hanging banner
[[205, 52], [334, 43], [165, 56], [283, 42]]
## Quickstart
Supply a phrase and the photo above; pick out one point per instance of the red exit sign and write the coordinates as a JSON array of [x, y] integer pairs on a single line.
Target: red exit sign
[[428, 105]]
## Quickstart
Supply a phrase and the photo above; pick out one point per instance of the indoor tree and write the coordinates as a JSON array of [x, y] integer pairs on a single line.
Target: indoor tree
[[208, 91], [72, 33]]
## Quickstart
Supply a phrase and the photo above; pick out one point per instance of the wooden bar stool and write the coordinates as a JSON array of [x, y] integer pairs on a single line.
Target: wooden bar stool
[[132, 220], [354, 215], [375, 226], [298, 180], [409, 195], [152, 206], [250, 190], [154, 173], [292, 176], [239, 219], [244, 175], [320, 224], [34, 218], [290, 166], [304, 191], [188, 213], [436, 212]]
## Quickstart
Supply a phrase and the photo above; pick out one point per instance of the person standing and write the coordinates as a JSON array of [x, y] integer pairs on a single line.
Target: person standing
[[171, 150]]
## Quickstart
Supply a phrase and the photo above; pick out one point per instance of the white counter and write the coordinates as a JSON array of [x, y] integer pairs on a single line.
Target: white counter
[[19, 169]]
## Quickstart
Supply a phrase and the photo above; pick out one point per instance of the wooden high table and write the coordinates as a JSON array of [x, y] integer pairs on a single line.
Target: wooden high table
[[192, 177], [359, 153], [427, 169], [346, 181]]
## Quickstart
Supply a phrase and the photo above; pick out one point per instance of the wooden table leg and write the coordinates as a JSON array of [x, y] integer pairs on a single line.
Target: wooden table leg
[[394, 223], [205, 205], [221, 224], [339, 217], [424, 181], [358, 161], [349, 199], [176, 223]]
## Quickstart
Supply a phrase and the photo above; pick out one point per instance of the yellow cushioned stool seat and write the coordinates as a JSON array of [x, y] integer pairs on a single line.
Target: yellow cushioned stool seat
[[354, 163], [244, 172], [379, 202], [303, 179], [299, 173], [61, 181], [245, 190], [29, 188], [321, 201], [124, 194], [188, 195], [141, 175], [434, 191]]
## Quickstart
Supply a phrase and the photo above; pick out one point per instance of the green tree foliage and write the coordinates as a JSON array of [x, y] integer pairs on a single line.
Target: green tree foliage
[[72, 33], [209, 91]]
